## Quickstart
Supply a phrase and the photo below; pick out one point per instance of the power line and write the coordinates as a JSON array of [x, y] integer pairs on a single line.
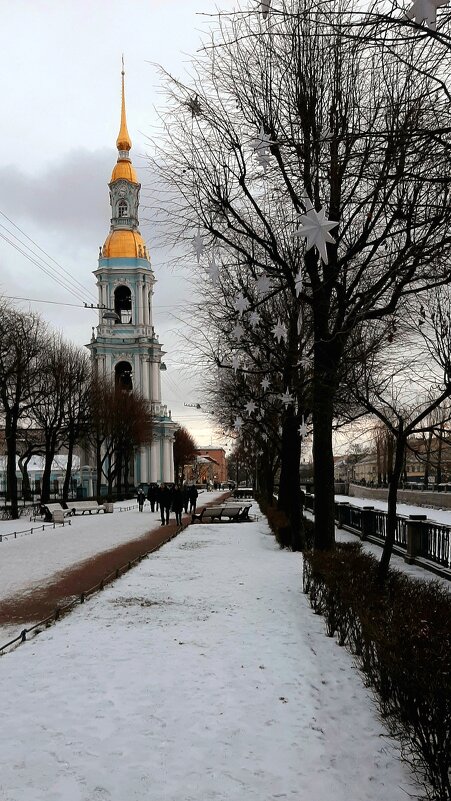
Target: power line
[[53, 302], [59, 281], [72, 280]]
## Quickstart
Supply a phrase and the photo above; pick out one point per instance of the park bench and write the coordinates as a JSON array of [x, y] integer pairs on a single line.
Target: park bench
[[83, 507], [55, 512], [208, 514], [230, 513]]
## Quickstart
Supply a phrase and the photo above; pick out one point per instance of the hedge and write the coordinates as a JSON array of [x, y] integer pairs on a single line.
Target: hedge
[[401, 637]]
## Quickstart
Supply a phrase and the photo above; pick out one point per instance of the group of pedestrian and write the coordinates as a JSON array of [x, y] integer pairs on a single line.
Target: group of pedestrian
[[167, 497]]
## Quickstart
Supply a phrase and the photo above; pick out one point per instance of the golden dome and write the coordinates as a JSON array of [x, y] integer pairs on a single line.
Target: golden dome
[[124, 169], [124, 244]]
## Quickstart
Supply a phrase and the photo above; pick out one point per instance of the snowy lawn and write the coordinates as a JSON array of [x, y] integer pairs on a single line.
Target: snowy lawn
[[31, 559], [201, 675]]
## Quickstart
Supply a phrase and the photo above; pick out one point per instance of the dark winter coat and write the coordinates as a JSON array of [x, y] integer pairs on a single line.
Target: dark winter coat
[[177, 500]]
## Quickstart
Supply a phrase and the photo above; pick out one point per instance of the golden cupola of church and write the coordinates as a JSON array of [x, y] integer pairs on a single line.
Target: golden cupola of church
[[124, 239]]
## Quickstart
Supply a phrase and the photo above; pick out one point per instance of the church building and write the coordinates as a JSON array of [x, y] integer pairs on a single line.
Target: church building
[[125, 345]]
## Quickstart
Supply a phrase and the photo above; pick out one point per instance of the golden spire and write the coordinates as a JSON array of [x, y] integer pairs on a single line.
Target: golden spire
[[123, 141]]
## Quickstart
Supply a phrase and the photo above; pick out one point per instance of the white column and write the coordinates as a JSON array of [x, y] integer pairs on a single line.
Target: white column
[[136, 365], [166, 460], [143, 465], [147, 389], [171, 460], [156, 396], [144, 295], [155, 460], [149, 303]]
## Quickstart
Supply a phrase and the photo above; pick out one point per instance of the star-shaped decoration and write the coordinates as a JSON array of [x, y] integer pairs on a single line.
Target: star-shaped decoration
[[250, 407], [315, 229], [425, 11], [302, 429], [286, 398], [254, 318], [193, 103], [279, 331], [262, 142], [213, 271], [237, 332], [241, 304], [265, 384], [198, 245], [265, 6], [263, 284], [235, 362], [238, 423], [264, 437]]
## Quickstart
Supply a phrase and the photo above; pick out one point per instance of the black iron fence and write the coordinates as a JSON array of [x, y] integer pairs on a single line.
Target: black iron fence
[[416, 537]]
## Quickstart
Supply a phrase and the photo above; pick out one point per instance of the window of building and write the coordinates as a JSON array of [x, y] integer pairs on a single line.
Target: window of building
[[122, 209], [123, 304]]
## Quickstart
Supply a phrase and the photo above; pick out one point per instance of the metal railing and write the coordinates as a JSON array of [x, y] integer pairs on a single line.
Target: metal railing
[[415, 536]]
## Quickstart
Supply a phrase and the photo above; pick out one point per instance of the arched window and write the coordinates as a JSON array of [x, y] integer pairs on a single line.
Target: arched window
[[122, 209], [123, 376], [123, 304]]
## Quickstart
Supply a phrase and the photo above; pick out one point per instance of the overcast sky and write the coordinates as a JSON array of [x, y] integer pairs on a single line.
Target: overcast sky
[[60, 97]]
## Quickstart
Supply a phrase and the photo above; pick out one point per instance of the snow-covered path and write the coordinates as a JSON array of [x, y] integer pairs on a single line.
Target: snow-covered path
[[201, 675]]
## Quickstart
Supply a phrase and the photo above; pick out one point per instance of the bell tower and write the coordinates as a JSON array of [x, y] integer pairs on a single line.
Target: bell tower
[[125, 346]]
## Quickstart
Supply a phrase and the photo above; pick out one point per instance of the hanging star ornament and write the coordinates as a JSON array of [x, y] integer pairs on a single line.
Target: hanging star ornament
[[198, 245], [250, 407], [238, 423], [237, 332], [265, 384], [425, 11], [241, 304], [286, 398], [254, 318], [235, 362], [302, 429], [213, 271], [315, 229], [279, 331]]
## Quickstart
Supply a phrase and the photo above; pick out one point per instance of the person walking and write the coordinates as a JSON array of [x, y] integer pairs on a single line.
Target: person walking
[[165, 499], [152, 496], [193, 495], [185, 493], [177, 504], [141, 498]]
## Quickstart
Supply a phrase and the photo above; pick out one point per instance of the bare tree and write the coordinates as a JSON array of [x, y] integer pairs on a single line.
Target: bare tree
[[292, 112], [404, 388], [184, 450], [21, 339]]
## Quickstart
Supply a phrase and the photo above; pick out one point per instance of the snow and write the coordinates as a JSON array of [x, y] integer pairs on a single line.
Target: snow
[[200, 675], [28, 561]]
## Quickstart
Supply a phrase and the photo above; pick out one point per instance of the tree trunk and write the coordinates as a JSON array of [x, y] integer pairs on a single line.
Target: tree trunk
[[427, 464], [98, 468], [67, 477], [26, 488], [289, 488], [49, 455], [11, 448], [323, 461], [392, 504]]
